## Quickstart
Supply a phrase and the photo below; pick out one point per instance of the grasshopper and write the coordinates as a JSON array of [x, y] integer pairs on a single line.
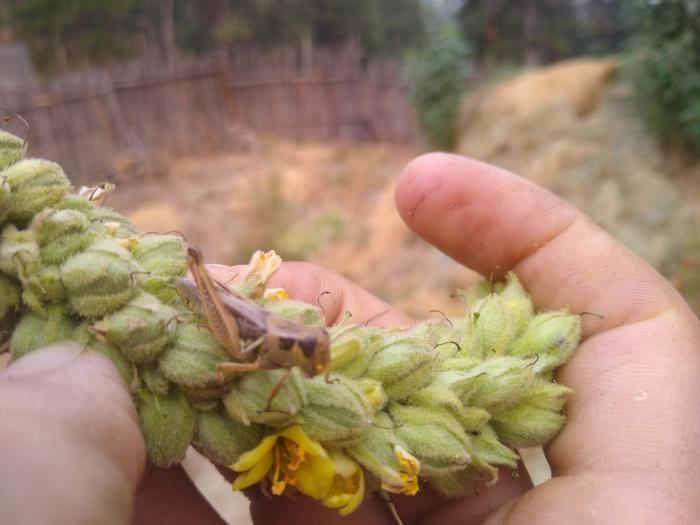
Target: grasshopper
[[273, 341]]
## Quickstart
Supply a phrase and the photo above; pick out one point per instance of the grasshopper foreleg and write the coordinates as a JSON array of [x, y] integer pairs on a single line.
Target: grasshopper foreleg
[[235, 367], [278, 386]]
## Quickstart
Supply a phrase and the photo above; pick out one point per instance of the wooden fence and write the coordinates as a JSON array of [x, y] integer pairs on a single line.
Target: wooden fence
[[101, 125]]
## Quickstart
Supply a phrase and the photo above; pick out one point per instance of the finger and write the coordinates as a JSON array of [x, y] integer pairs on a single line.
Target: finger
[[639, 361], [71, 448], [168, 496], [493, 221], [309, 283]]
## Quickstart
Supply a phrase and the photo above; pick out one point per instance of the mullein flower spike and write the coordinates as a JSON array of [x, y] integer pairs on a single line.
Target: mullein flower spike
[[444, 402]]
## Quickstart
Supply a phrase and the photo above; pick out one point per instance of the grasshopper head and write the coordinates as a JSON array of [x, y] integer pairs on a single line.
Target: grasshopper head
[[317, 353]]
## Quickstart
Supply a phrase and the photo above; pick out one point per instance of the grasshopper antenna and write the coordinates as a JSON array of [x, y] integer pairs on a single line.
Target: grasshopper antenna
[[376, 316]]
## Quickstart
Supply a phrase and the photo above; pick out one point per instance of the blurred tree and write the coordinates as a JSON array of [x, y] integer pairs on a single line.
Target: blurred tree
[[540, 31], [66, 33], [665, 65], [437, 74]]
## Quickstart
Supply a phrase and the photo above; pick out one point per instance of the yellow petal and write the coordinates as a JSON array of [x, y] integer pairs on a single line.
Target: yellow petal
[[299, 437], [255, 474], [315, 476], [356, 498], [250, 458], [337, 501], [344, 466]]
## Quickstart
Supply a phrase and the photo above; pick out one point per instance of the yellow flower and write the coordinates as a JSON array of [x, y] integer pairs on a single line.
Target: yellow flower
[[407, 482], [348, 487], [301, 462], [276, 294], [298, 461]]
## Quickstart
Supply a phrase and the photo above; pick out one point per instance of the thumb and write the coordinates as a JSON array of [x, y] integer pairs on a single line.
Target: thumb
[[71, 450]]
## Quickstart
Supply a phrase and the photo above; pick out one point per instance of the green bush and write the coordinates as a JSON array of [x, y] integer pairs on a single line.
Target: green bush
[[437, 75], [665, 66]]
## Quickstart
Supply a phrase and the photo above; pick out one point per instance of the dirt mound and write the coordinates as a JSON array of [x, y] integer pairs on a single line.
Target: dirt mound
[[573, 128]]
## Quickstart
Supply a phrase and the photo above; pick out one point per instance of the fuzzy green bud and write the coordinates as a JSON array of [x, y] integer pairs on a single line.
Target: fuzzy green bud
[[36, 184], [376, 452], [9, 295], [517, 303], [191, 361], [126, 369], [111, 223], [550, 338], [247, 401], [141, 328], [494, 328], [163, 257], [471, 418], [100, 279], [19, 252], [494, 384], [353, 350], [434, 436], [305, 313], [154, 380], [221, 439], [5, 199], [43, 287], [535, 419], [167, 424], [12, 149], [403, 366], [335, 413], [61, 234], [34, 331]]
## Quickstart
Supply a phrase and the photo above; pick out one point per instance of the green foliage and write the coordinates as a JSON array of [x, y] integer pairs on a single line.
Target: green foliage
[[437, 75], [540, 31], [665, 66]]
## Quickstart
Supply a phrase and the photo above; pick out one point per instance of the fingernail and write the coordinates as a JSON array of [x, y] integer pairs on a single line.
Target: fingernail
[[42, 361]]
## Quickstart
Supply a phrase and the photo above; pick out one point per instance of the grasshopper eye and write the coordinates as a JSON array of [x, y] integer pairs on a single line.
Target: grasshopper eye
[[308, 346]]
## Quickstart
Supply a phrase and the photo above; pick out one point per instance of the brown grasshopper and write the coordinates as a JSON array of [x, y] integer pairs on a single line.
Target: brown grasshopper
[[274, 341]]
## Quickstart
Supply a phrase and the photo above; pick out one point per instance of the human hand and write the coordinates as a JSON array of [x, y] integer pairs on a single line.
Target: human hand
[[626, 455]]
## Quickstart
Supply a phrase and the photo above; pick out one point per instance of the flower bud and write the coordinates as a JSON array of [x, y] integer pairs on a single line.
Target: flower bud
[[111, 222], [518, 303], [493, 327], [43, 287], [141, 328], [5, 199], [19, 252], [262, 266], [12, 149], [9, 295], [404, 365], [153, 379], [377, 451], [534, 419], [434, 436], [457, 484], [373, 392], [305, 313], [61, 234], [34, 331], [353, 350], [167, 424], [487, 451], [100, 279], [551, 337], [471, 418], [335, 413], [190, 361], [36, 184], [221, 439], [125, 368], [247, 401], [493, 385], [161, 255]]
